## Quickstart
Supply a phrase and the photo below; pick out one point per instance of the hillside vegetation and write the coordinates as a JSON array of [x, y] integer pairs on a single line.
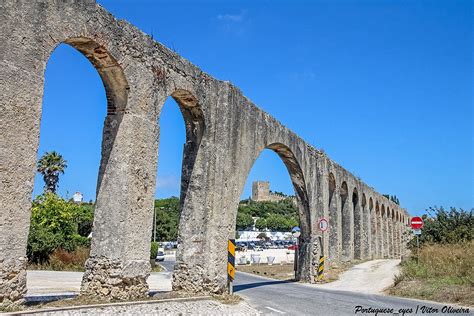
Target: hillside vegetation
[[444, 269], [59, 230]]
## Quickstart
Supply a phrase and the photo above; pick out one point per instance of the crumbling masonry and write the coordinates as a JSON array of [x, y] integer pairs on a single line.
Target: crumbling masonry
[[226, 132]]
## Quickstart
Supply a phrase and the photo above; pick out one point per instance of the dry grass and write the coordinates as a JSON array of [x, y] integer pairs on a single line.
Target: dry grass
[[156, 267], [227, 299], [62, 260], [286, 272], [445, 273], [280, 272]]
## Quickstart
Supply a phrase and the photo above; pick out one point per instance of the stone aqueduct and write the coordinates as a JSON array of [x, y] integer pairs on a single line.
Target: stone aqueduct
[[225, 133]]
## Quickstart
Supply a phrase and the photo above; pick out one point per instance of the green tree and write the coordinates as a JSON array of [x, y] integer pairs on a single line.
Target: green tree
[[50, 165], [84, 217], [261, 224], [392, 198], [167, 218], [277, 222], [446, 227], [244, 220], [54, 224]]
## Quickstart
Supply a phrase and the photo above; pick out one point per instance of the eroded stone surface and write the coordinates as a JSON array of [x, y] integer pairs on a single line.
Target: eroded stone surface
[[112, 279], [225, 134], [12, 281]]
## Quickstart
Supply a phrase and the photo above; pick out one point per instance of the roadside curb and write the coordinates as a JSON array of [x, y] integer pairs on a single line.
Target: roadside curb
[[78, 307]]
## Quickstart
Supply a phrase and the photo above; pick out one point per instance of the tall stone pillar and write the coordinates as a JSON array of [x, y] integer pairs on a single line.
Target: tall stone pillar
[[22, 63], [359, 230], [20, 112], [380, 236], [333, 232], [119, 262], [397, 239], [374, 234], [389, 236]]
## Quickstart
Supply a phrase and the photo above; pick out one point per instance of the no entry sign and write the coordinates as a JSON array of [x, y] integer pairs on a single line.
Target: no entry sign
[[323, 224], [416, 222]]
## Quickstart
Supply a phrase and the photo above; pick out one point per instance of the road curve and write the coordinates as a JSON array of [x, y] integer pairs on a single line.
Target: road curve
[[281, 297]]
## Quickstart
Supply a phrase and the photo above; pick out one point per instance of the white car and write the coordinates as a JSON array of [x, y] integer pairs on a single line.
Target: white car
[[161, 255], [258, 248]]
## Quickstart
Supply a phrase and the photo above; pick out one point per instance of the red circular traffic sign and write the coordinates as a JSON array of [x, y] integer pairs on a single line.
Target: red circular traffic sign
[[323, 224], [416, 222]]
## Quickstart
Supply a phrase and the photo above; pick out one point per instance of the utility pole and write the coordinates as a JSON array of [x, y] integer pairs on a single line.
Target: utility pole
[[154, 224]]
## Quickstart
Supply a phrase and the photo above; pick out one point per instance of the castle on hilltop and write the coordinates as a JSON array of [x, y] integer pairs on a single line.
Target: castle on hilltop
[[261, 193]]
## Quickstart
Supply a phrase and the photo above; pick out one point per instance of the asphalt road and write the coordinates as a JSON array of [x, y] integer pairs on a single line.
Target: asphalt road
[[168, 264], [281, 297], [273, 297]]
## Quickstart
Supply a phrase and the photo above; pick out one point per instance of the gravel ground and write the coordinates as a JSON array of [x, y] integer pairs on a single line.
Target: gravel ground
[[201, 307], [371, 277]]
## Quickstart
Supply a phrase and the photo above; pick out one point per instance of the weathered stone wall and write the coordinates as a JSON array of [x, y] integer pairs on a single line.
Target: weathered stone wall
[[225, 134]]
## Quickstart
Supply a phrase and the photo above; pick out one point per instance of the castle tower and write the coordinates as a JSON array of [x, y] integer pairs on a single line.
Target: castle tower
[[260, 191]]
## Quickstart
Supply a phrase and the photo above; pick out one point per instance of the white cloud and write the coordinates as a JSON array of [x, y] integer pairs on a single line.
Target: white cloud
[[232, 17], [236, 24]]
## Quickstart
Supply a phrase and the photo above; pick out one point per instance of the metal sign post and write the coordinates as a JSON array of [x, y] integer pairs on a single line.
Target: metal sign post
[[416, 224], [230, 265], [417, 249], [296, 232], [323, 226]]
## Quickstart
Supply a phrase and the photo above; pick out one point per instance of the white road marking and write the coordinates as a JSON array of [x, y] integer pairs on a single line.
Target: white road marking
[[275, 310]]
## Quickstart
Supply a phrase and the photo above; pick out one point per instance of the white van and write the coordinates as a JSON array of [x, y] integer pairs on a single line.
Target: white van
[[161, 255]]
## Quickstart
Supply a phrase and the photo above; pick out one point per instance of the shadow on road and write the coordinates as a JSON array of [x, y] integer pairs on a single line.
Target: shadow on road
[[257, 284]]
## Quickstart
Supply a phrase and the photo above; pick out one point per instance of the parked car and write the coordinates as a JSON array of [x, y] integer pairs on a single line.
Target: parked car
[[292, 247], [258, 248], [161, 255]]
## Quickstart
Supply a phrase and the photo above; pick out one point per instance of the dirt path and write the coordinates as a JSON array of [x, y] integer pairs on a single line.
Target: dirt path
[[370, 277]]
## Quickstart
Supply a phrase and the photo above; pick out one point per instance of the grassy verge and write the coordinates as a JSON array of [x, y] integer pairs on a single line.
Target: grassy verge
[[280, 272], [445, 273]]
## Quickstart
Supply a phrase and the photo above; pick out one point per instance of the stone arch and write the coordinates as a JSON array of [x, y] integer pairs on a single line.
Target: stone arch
[[373, 229], [365, 227], [297, 177], [378, 216], [396, 229], [116, 89], [358, 218], [118, 155], [390, 239], [110, 71], [384, 230], [195, 127], [347, 223], [333, 218], [298, 180]]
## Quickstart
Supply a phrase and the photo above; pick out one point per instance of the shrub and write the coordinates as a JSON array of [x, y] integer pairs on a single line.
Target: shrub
[[446, 227], [153, 250], [62, 260], [55, 224]]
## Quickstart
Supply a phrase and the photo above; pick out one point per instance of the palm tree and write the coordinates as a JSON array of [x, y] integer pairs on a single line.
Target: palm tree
[[50, 166]]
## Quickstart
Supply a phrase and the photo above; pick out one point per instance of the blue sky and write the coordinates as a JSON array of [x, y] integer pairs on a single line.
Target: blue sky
[[384, 87]]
